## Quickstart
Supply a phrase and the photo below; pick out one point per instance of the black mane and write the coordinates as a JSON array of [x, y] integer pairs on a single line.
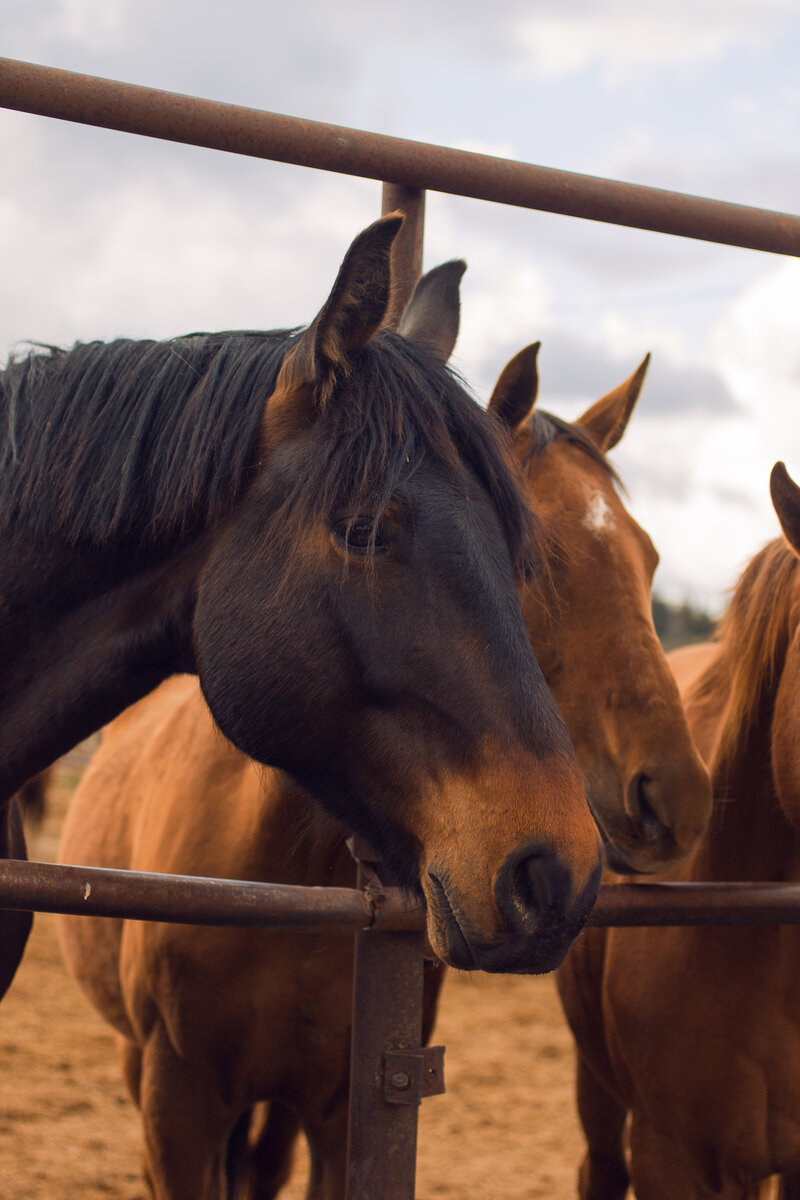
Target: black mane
[[139, 441], [146, 442]]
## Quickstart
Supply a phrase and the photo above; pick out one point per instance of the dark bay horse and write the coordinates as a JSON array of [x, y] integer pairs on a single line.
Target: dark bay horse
[[696, 1031], [212, 1021], [324, 527]]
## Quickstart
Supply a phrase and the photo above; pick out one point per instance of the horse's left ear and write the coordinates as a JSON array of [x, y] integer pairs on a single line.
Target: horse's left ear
[[607, 419], [353, 312], [786, 501], [351, 315], [515, 392], [432, 315]]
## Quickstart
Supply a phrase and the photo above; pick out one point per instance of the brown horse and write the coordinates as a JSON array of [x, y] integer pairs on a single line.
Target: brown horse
[[323, 526], [696, 1031], [212, 1021], [595, 640]]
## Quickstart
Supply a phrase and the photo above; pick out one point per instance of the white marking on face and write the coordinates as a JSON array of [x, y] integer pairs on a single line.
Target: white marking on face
[[599, 517]]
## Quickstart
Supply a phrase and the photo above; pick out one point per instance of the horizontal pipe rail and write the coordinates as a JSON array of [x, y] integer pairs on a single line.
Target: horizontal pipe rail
[[697, 904], [90, 100], [186, 899], [191, 900]]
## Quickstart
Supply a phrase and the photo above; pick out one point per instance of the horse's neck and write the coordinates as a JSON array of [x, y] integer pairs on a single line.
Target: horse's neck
[[300, 842], [79, 642]]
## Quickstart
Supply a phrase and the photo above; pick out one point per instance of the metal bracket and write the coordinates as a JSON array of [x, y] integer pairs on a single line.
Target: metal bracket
[[372, 889], [411, 1075]]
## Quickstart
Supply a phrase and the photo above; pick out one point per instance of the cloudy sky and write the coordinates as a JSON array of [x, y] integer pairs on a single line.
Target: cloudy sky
[[104, 234]]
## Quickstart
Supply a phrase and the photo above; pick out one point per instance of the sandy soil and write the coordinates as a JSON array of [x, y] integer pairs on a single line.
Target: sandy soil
[[506, 1130]]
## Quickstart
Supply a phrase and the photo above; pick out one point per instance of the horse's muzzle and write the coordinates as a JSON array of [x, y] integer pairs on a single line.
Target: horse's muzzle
[[537, 918]]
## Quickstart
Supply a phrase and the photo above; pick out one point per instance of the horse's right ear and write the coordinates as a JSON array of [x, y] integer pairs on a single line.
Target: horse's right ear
[[786, 501], [350, 316], [515, 392], [432, 315], [607, 419]]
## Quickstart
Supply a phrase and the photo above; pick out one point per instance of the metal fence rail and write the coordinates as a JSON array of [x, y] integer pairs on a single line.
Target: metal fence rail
[[191, 900], [178, 118]]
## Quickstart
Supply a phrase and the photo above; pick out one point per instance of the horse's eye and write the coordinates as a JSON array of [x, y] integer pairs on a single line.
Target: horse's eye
[[362, 537]]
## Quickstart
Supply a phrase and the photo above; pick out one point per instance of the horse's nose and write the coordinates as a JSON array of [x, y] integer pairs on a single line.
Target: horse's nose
[[533, 890], [642, 800]]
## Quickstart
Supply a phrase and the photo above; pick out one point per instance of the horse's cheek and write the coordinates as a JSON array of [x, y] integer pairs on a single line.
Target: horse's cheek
[[262, 660], [235, 648]]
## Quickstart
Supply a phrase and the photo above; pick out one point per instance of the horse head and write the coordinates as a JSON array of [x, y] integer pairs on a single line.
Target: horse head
[[357, 626], [593, 633]]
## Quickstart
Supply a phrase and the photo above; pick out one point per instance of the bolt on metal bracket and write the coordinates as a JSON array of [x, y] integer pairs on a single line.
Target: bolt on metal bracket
[[411, 1075]]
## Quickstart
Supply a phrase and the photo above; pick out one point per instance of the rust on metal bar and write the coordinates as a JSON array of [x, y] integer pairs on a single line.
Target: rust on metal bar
[[407, 247], [167, 115], [697, 904], [410, 1076], [387, 1019], [189, 900]]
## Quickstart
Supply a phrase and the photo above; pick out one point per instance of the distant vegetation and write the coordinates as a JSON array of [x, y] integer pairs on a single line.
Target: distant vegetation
[[679, 624]]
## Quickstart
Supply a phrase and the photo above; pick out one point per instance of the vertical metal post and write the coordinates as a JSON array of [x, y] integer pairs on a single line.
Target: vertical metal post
[[388, 968], [387, 1017], [407, 248]]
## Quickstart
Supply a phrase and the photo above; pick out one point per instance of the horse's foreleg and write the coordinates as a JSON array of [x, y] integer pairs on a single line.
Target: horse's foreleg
[[187, 1126], [788, 1188], [272, 1151], [327, 1144], [130, 1057], [603, 1174], [14, 926], [663, 1168]]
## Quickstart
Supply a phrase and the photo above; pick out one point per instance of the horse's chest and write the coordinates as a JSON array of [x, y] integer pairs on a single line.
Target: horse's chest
[[703, 1028]]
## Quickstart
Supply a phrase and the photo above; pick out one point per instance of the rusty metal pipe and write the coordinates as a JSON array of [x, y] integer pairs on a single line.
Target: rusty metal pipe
[[189, 900], [387, 1016], [186, 899], [697, 904], [407, 246], [111, 105]]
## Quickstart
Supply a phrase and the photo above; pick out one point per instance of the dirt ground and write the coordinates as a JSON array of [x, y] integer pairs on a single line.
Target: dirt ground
[[505, 1130]]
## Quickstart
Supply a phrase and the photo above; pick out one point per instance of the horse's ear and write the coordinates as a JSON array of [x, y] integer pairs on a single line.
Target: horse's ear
[[432, 314], [515, 392], [350, 316], [607, 419], [786, 501]]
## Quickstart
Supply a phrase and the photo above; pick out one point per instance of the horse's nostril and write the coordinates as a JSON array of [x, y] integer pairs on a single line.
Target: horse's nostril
[[532, 885], [640, 797]]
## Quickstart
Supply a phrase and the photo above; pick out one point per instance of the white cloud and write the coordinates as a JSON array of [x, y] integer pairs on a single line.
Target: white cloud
[[624, 39], [155, 256], [497, 321], [95, 24], [701, 485], [635, 338], [757, 347]]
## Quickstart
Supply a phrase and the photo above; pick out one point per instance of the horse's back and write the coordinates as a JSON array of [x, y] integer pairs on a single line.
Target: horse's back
[[704, 709], [98, 826], [687, 663], [101, 829]]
